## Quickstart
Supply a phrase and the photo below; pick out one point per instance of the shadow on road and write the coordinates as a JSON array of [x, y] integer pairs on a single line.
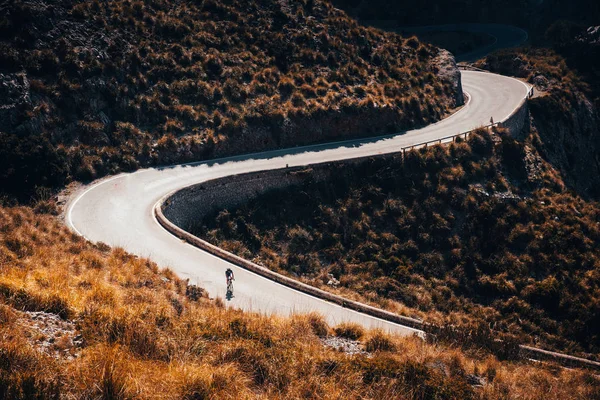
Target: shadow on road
[[289, 151]]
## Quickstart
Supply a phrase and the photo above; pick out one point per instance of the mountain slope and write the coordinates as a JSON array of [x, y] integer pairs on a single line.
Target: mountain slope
[[480, 234], [84, 321], [534, 15], [96, 87], [565, 114]]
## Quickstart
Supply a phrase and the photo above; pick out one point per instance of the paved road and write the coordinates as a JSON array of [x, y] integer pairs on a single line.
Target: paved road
[[118, 210], [505, 36]]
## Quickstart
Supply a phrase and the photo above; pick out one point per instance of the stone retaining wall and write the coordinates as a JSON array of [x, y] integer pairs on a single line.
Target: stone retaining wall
[[518, 122], [190, 205]]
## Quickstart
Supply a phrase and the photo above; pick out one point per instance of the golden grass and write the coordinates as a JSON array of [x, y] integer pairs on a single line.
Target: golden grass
[[143, 338]]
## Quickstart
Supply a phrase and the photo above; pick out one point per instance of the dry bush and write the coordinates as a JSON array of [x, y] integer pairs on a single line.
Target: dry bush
[[318, 324], [379, 341], [349, 331]]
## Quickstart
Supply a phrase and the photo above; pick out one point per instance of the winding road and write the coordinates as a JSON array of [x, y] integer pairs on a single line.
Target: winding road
[[118, 210], [505, 36]]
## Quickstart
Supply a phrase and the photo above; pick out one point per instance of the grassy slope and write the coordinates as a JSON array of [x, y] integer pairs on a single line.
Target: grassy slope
[[143, 336], [95, 87], [481, 233]]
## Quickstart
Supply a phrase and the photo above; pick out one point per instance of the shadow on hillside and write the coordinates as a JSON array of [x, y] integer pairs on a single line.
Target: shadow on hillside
[[270, 154]]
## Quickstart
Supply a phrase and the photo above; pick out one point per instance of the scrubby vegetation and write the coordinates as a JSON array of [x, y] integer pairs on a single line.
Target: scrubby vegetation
[[566, 113], [145, 333], [477, 235], [480, 233], [89, 88]]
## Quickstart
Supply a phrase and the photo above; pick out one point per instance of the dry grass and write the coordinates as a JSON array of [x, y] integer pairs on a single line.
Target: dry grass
[[476, 234], [349, 331], [143, 338]]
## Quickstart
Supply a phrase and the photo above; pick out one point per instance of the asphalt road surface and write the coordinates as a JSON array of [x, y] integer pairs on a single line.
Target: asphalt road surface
[[118, 210], [504, 36]]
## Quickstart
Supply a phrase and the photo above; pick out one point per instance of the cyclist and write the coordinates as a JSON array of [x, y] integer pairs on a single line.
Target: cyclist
[[229, 277]]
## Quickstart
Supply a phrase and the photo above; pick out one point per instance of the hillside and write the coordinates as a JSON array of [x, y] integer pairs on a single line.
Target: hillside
[[483, 238], [566, 113], [477, 234], [89, 88], [535, 16], [85, 321]]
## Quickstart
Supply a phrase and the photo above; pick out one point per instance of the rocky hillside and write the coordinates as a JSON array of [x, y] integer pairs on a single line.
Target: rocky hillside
[[566, 113], [89, 88]]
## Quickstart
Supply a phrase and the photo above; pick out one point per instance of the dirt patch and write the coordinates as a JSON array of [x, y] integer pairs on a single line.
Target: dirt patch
[[347, 346], [51, 334]]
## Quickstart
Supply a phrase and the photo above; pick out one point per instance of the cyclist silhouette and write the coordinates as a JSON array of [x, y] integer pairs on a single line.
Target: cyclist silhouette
[[230, 278]]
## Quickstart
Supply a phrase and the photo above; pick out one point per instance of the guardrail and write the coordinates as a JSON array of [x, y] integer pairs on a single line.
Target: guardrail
[[281, 279], [447, 139], [565, 360], [452, 138], [470, 67]]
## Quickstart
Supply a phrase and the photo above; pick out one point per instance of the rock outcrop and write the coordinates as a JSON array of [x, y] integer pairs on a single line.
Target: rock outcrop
[[571, 140], [448, 71]]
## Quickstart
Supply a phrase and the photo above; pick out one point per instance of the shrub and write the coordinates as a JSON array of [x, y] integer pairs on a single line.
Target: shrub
[[379, 341], [349, 331], [318, 325], [194, 292], [29, 162]]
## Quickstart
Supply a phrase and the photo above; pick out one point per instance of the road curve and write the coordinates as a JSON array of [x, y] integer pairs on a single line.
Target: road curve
[[505, 36], [118, 210]]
